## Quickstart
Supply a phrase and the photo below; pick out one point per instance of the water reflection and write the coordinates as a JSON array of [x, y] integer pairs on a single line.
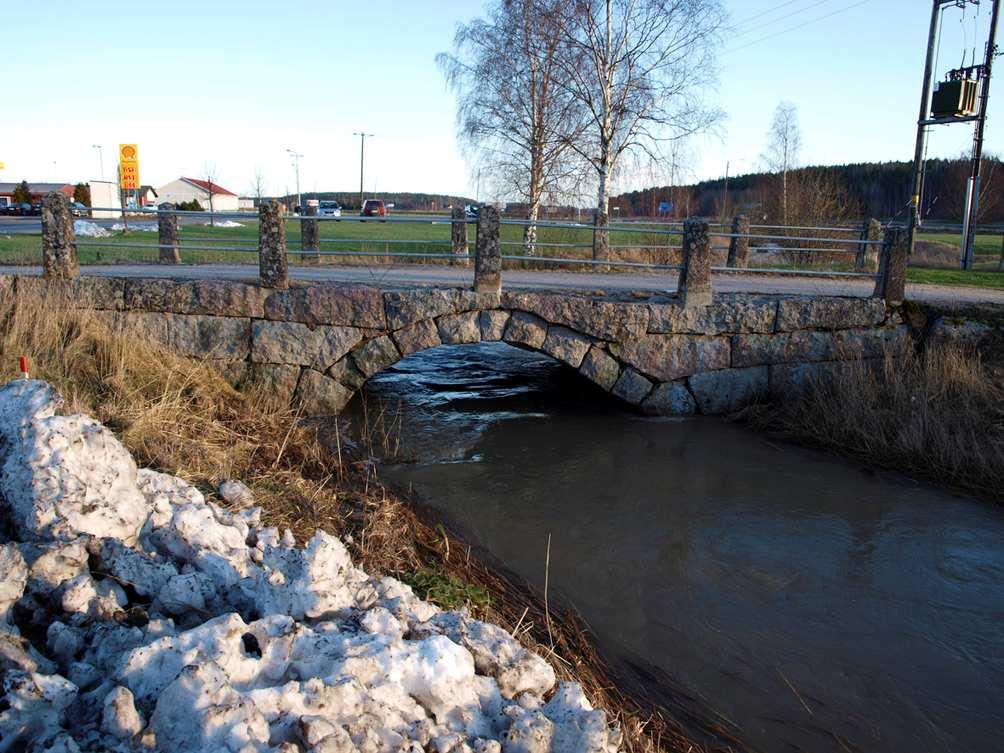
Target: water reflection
[[818, 606]]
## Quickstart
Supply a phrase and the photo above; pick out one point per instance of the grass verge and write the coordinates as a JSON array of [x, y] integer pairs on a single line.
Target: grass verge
[[976, 278], [180, 416], [938, 415]]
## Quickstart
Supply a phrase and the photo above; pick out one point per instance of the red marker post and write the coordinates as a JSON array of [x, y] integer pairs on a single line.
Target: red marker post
[[23, 363]]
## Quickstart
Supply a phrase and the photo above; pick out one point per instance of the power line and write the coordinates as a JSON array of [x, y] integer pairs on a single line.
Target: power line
[[782, 18], [763, 13], [799, 26]]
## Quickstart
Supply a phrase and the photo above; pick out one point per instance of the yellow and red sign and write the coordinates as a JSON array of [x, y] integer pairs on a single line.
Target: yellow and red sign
[[128, 167]]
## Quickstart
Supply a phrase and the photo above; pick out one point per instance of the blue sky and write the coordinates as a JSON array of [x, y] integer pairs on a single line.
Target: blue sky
[[231, 85]]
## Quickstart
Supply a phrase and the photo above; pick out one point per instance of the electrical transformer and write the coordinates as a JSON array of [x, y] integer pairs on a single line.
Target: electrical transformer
[[955, 98]]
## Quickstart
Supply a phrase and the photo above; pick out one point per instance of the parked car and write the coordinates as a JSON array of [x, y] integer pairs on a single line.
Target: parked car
[[373, 208], [79, 210], [329, 209], [472, 211], [35, 210]]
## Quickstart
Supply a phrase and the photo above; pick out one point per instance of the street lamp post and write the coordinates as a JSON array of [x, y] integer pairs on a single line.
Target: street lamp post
[[296, 167], [101, 160], [362, 151]]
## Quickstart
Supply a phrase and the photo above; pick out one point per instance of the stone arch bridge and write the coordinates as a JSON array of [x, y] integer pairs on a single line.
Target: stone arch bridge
[[319, 343]]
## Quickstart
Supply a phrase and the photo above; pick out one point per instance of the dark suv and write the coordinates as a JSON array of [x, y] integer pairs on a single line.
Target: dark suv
[[373, 208]]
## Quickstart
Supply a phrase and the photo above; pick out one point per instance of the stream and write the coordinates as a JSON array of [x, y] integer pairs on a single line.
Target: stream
[[816, 605]]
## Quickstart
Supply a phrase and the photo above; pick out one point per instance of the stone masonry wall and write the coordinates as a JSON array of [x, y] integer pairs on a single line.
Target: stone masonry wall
[[319, 343]]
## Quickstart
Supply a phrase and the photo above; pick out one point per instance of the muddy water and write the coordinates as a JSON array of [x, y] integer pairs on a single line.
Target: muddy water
[[817, 606]]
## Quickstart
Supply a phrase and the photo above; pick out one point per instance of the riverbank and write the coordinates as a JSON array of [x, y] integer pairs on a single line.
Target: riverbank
[[934, 411], [181, 417]]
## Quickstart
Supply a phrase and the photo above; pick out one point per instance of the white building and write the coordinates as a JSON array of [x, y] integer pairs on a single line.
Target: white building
[[192, 189], [105, 195]]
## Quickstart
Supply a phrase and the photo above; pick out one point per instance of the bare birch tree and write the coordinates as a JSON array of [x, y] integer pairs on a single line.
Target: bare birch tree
[[783, 145], [516, 119], [258, 186], [639, 68]]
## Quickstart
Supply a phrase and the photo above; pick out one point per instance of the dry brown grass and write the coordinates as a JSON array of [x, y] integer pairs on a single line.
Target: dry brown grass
[[180, 416], [938, 414]]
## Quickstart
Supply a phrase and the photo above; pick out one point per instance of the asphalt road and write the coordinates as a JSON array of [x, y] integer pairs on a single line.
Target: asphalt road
[[421, 274], [33, 225]]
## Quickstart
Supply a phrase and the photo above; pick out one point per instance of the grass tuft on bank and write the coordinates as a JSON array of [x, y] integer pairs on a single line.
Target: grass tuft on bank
[[937, 415], [181, 416]]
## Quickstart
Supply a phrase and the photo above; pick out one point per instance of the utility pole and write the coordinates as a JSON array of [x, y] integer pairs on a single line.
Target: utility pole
[[362, 152], [972, 208], [922, 125], [101, 160], [296, 167]]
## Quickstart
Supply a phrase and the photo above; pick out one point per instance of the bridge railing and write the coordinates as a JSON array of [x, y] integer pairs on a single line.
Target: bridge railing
[[692, 251]]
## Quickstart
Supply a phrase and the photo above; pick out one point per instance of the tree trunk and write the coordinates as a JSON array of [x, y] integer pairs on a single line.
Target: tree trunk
[[784, 197], [530, 231], [601, 235]]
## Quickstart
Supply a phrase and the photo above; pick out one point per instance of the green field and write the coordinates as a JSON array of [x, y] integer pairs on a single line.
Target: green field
[[376, 242]]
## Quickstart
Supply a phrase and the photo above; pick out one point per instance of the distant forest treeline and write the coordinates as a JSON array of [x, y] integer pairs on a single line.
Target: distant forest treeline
[[407, 201], [871, 189]]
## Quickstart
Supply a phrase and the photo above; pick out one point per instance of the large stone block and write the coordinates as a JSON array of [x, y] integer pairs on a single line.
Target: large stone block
[[566, 345], [455, 329], [276, 380], [527, 330], [670, 399], [599, 367], [829, 313], [345, 305], [811, 346], [216, 337], [82, 292], [404, 307], [726, 315], [346, 372], [783, 347], [632, 387], [493, 325], [602, 319], [726, 391], [210, 297], [375, 355], [321, 395], [793, 380], [415, 337], [295, 343], [669, 357]]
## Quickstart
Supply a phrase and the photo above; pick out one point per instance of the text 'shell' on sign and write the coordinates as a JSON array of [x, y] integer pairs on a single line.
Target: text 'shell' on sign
[[128, 167]]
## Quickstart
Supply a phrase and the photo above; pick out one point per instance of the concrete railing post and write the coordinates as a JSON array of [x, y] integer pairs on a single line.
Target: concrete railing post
[[167, 234], [867, 255], [272, 266], [310, 234], [488, 252], [59, 243], [601, 240], [458, 238], [695, 279], [891, 281], [739, 243]]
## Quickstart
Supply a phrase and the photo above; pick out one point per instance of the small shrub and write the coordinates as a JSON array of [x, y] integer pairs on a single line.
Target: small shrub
[[444, 590]]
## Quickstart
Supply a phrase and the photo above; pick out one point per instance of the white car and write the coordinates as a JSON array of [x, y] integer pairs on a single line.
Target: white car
[[329, 209]]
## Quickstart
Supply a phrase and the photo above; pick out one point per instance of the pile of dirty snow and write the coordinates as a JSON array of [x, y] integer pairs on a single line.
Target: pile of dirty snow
[[143, 227], [224, 223], [136, 615], [89, 229]]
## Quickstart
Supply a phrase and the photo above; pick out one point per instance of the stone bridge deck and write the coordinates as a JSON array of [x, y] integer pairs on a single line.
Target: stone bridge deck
[[318, 343]]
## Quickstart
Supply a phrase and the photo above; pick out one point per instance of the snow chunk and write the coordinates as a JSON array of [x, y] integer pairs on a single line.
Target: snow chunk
[[496, 654], [13, 576], [235, 493], [23, 401], [119, 716], [224, 223], [69, 475], [143, 227], [87, 229]]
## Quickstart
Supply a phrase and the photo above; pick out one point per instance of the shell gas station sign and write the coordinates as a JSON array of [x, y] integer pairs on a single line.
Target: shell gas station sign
[[128, 167]]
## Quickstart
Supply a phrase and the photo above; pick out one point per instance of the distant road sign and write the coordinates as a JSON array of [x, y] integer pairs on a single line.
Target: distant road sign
[[128, 167]]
